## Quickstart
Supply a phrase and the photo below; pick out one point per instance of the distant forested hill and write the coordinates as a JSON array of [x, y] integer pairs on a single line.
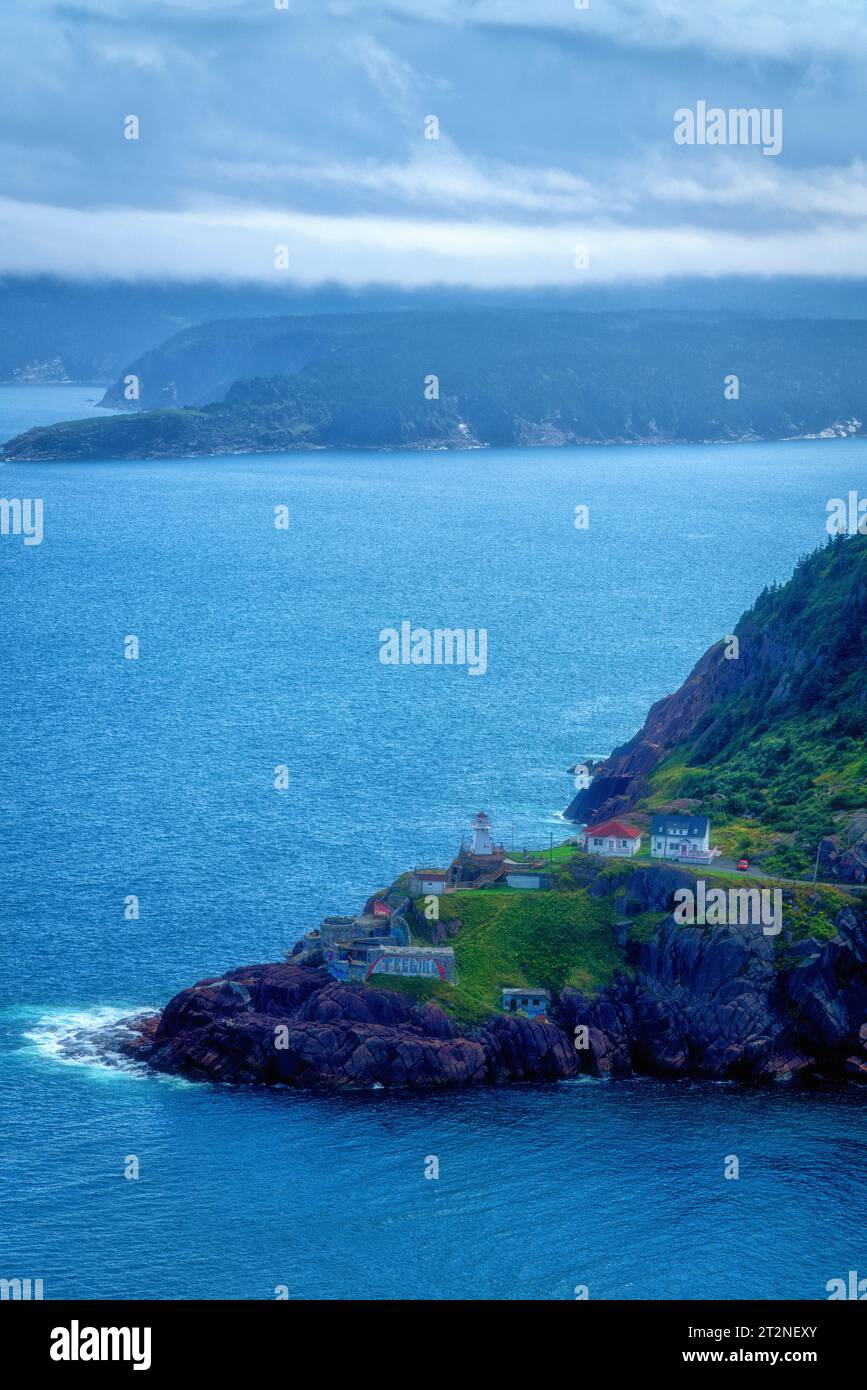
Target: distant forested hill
[[55, 330], [88, 330], [517, 376]]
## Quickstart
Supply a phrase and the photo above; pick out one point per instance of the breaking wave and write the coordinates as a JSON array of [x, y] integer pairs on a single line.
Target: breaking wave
[[87, 1037]]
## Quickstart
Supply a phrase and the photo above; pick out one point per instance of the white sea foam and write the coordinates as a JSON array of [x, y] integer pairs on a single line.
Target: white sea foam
[[87, 1037]]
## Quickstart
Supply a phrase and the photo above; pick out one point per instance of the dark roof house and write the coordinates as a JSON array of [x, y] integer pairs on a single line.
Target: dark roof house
[[694, 827]]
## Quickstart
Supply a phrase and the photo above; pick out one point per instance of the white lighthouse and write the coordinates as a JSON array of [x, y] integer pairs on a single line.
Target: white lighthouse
[[481, 843]]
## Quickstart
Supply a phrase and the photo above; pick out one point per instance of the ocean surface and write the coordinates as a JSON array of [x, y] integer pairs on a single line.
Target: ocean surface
[[259, 647]]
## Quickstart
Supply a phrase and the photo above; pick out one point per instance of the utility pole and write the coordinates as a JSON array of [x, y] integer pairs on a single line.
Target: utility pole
[[816, 865]]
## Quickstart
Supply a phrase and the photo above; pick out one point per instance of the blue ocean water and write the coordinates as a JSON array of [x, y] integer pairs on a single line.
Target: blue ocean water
[[154, 777]]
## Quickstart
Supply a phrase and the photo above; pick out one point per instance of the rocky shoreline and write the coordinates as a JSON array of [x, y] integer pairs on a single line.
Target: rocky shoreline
[[71, 440], [725, 1003], [294, 1025]]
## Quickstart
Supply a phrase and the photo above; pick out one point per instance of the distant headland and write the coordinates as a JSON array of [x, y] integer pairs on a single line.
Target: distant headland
[[473, 378]]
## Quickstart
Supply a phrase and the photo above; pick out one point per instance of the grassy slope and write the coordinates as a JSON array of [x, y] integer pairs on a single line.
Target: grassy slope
[[565, 937], [773, 768], [518, 938]]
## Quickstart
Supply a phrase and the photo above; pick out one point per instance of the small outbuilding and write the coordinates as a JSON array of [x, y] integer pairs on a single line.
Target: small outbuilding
[[425, 881], [529, 877], [532, 1003]]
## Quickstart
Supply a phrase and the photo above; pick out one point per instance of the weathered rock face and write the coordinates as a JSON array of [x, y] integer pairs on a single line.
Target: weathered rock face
[[650, 888], [619, 781], [723, 1003], [844, 856], [295, 1025], [716, 1004]]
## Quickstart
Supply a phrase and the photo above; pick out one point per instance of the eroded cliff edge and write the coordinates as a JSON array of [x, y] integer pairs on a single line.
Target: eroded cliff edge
[[725, 1003], [768, 733]]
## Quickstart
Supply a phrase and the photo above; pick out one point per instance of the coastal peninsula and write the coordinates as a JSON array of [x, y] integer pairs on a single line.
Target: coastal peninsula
[[602, 956]]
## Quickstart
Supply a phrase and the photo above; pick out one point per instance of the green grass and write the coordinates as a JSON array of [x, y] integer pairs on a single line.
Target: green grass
[[552, 939], [452, 999], [666, 783], [546, 939], [778, 762]]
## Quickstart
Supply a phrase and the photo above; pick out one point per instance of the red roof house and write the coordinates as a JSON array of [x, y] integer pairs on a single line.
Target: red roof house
[[612, 837]]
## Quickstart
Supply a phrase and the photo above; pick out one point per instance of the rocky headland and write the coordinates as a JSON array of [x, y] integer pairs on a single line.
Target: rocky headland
[[767, 735], [526, 377], [725, 1003]]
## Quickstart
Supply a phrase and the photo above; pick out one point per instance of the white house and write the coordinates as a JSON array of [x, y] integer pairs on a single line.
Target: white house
[[426, 881], [680, 837], [613, 837]]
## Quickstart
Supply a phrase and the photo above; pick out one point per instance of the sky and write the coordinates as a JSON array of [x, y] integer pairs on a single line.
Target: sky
[[304, 128]]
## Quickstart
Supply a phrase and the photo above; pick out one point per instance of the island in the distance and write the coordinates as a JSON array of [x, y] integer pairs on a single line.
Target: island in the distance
[[579, 960], [473, 378]]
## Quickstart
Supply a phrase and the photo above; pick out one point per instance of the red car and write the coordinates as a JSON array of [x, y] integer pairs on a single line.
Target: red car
[[743, 863]]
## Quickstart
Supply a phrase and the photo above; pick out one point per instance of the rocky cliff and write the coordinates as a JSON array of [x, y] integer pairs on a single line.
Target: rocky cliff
[[620, 781], [294, 1025], [770, 727], [717, 1004], [727, 1003]]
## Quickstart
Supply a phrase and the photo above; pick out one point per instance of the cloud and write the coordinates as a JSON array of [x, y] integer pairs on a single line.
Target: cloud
[[772, 29], [393, 77], [235, 243], [555, 128], [802, 193], [133, 53], [440, 178], [156, 9]]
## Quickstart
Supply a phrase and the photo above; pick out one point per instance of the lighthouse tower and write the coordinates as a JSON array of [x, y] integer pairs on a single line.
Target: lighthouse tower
[[481, 843]]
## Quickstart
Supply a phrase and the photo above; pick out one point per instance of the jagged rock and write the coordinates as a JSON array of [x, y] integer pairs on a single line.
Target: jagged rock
[[608, 1019], [290, 1024], [712, 1002], [620, 780], [723, 1002], [651, 889], [844, 856]]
